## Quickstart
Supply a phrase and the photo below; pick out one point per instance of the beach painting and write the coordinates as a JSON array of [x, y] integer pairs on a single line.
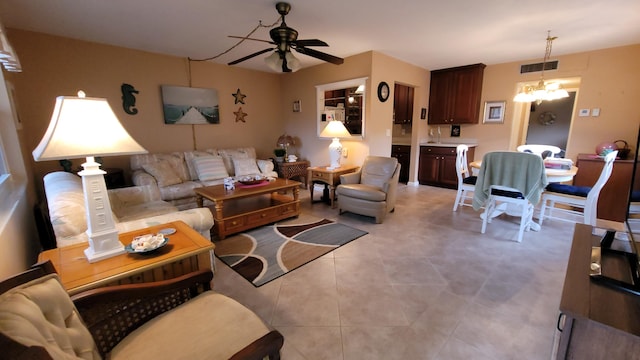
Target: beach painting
[[187, 105]]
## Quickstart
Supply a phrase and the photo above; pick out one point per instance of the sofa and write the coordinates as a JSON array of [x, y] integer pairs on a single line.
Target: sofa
[[180, 318], [177, 174], [133, 208]]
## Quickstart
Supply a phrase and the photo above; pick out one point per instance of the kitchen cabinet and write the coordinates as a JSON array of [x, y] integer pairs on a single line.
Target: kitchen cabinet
[[454, 96], [437, 165], [402, 104], [612, 202], [403, 154]]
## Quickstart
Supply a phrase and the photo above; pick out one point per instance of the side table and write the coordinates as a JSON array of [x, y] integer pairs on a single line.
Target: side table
[[289, 170], [330, 178], [186, 251]]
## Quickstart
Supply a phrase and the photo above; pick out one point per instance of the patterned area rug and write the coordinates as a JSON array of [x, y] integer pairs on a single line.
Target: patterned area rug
[[268, 252]]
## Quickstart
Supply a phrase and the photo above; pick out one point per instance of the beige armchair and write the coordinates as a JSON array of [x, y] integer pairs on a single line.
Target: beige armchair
[[372, 190]]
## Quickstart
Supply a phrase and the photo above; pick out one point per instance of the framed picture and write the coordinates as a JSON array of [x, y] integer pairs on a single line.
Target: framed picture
[[494, 112], [455, 130], [297, 106], [187, 105]]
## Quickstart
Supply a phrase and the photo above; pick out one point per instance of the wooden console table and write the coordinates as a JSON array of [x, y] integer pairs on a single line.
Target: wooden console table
[[247, 207], [330, 178], [599, 322], [187, 251]]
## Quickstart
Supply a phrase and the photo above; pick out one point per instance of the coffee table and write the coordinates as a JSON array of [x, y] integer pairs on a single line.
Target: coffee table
[[248, 207], [186, 251]]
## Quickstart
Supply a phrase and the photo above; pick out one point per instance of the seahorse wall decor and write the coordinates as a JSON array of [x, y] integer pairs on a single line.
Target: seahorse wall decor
[[129, 99]]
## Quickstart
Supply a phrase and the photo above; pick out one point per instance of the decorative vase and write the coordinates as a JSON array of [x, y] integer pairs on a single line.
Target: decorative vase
[[605, 147]]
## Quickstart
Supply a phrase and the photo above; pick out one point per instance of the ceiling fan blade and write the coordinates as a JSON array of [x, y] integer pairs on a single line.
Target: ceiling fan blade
[[250, 56], [320, 55], [311, 42], [247, 38]]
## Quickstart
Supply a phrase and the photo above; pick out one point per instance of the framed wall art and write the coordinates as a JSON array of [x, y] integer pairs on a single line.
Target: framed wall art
[[494, 112], [187, 105]]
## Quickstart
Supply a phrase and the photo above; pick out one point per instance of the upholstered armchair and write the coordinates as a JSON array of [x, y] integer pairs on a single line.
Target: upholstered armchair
[[180, 318], [372, 190]]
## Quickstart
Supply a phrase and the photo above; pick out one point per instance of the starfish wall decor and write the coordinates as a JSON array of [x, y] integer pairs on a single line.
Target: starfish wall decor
[[240, 115], [239, 97]]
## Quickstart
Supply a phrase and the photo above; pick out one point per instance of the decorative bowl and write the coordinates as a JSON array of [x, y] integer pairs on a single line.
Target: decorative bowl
[[134, 249], [251, 180]]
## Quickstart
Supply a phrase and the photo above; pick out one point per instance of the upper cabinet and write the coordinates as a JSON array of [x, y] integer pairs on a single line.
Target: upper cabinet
[[455, 95], [402, 104]]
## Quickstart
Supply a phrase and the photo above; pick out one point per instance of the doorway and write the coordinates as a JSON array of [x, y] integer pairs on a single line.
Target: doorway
[[550, 122]]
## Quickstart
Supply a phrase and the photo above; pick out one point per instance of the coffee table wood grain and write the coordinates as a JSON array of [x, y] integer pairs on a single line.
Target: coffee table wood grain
[[248, 207], [185, 252]]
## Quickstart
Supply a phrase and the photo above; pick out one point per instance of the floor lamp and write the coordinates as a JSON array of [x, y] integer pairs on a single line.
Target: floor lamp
[[335, 129], [87, 127]]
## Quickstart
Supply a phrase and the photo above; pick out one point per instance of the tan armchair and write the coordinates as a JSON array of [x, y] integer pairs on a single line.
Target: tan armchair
[[372, 190], [180, 318]]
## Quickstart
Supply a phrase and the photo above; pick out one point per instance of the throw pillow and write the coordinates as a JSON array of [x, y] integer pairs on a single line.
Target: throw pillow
[[188, 158], [245, 167], [209, 167], [163, 173]]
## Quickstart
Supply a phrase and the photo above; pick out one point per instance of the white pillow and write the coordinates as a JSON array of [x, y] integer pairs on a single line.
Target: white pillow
[[163, 173], [245, 167], [210, 167]]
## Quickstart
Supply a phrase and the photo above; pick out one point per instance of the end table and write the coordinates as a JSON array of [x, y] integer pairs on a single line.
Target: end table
[[289, 170], [330, 178]]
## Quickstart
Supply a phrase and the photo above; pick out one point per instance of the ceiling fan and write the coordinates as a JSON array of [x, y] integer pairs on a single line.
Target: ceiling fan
[[285, 39]]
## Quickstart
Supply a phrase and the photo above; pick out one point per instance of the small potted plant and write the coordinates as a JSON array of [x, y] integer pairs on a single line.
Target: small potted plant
[[280, 153]]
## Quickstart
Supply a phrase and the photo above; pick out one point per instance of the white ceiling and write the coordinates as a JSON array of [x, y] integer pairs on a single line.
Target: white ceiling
[[428, 34]]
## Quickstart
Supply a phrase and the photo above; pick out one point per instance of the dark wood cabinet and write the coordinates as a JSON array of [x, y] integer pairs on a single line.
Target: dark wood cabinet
[[402, 104], [403, 154], [437, 166], [454, 96], [612, 203]]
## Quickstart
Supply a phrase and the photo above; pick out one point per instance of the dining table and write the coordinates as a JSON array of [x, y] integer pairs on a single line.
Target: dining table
[[553, 175]]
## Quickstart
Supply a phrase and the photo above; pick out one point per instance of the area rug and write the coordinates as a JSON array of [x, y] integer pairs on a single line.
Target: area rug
[[268, 252]]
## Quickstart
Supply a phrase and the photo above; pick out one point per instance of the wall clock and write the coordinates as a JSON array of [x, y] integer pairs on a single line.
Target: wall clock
[[383, 91]]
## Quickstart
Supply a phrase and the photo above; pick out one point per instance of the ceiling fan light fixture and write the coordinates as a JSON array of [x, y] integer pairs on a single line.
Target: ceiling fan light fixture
[[292, 63], [274, 62]]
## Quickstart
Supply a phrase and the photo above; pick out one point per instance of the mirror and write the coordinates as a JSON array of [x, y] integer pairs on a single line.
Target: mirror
[[344, 101]]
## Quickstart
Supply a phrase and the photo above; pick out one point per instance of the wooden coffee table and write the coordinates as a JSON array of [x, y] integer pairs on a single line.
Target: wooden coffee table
[[186, 251], [247, 207]]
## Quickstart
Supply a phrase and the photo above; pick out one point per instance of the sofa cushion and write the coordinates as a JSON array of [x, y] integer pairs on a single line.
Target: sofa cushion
[[145, 210], [239, 153], [210, 167], [225, 327], [163, 173], [188, 159], [179, 191], [245, 167]]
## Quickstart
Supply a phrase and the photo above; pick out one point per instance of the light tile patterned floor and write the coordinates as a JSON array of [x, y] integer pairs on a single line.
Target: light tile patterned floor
[[425, 284]]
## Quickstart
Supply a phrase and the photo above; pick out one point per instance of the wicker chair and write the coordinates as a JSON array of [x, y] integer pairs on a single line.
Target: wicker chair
[[176, 318]]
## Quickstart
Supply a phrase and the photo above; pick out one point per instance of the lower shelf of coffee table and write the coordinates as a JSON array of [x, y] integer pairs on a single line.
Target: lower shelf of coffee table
[[244, 214]]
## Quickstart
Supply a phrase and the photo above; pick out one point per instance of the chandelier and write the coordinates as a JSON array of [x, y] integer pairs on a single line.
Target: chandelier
[[542, 91]]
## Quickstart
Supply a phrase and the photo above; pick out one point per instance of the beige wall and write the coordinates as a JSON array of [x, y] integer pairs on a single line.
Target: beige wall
[[608, 79], [54, 66]]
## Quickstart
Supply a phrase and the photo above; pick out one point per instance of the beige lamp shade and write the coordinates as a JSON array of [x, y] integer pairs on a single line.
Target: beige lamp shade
[[335, 129], [81, 127]]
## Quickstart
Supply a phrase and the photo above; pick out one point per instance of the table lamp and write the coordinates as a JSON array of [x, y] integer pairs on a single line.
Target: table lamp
[[335, 129], [88, 127]]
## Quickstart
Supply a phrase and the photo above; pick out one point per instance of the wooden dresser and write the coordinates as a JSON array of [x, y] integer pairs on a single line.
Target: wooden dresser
[[612, 203]]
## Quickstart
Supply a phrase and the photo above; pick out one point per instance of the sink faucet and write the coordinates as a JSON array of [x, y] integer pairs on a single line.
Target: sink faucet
[[439, 133]]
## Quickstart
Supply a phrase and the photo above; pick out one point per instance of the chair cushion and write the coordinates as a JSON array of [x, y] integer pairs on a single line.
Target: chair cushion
[[507, 193], [581, 191], [376, 170], [210, 326], [40, 313], [361, 191], [471, 180]]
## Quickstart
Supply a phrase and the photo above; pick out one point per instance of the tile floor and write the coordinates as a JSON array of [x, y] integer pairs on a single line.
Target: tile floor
[[425, 284]]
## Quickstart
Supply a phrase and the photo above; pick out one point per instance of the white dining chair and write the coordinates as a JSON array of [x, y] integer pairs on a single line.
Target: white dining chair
[[539, 149], [571, 197], [511, 183], [466, 182]]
